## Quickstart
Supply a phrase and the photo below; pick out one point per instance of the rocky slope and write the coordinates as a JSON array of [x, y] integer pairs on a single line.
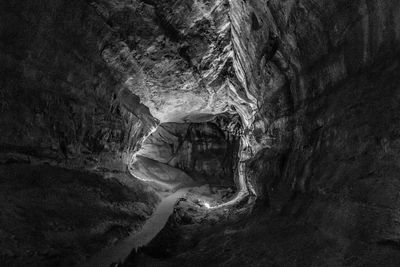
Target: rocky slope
[[52, 216]]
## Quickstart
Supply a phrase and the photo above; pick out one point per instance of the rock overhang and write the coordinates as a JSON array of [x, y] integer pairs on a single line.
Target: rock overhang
[[179, 66]]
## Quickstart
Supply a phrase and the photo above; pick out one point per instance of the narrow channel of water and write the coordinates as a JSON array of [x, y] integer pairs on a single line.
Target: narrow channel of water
[[150, 229]]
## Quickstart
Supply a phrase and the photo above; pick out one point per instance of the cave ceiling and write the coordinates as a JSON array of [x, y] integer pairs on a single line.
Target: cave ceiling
[[178, 66]]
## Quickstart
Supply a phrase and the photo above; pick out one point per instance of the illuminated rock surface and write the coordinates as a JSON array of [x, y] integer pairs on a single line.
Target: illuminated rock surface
[[207, 151]]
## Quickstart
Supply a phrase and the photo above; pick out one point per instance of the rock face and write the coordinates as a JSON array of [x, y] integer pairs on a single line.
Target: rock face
[[326, 76], [207, 151], [159, 175], [59, 97], [83, 86], [185, 59], [61, 105]]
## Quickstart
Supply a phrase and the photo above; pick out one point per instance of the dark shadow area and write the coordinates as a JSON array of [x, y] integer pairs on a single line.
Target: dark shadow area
[[56, 217]]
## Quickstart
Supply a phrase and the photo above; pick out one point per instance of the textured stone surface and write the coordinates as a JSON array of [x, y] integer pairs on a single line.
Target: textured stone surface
[[59, 97], [158, 174], [323, 123], [118, 64], [60, 104], [207, 151], [186, 64], [324, 77]]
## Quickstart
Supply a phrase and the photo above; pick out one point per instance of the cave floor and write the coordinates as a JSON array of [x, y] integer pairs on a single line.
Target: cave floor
[[264, 240]]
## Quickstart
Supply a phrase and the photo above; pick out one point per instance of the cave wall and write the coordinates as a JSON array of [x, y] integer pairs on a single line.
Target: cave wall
[[65, 111], [207, 151], [325, 138], [60, 97], [90, 79]]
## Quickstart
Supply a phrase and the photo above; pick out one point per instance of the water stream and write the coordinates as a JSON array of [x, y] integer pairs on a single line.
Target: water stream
[[157, 221], [120, 251]]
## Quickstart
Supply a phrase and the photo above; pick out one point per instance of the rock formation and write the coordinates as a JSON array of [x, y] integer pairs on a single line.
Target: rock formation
[[207, 151], [315, 84]]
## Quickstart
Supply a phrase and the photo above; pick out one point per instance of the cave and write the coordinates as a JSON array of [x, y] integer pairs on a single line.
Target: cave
[[199, 133]]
